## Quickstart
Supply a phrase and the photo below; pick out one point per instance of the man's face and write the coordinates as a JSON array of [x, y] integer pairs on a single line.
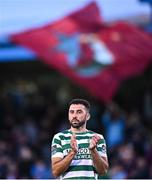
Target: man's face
[[77, 115]]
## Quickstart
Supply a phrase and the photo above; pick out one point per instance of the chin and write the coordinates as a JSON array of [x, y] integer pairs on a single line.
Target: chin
[[75, 126]]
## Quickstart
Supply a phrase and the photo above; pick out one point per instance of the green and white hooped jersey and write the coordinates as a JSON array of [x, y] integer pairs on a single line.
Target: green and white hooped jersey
[[82, 165]]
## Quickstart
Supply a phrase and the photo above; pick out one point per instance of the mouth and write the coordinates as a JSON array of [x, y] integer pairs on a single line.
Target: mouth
[[75, 121]]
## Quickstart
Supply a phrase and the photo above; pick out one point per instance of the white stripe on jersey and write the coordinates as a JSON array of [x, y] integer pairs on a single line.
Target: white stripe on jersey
[[58, 154], [82, 162], [86, 174]]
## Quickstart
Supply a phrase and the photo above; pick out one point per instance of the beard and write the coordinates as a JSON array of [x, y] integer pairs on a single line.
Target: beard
[[77, 124]]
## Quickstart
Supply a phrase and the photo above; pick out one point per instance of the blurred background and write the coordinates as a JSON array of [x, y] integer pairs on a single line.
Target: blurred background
[[34, 95]]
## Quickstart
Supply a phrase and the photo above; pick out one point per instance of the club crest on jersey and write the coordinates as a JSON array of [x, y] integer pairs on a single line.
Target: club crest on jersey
[[103, 149], [54, 149]]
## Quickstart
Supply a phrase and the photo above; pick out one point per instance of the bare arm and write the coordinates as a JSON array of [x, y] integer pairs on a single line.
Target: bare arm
[[100, 163], [59, 165]]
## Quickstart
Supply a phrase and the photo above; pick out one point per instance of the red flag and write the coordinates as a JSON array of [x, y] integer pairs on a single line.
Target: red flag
[[93, 55]]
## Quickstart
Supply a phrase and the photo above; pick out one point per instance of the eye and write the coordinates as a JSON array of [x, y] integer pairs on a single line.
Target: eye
[[71, 111], [79, 111]]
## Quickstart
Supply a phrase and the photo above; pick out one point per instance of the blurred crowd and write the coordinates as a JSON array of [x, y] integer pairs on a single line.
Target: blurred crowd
[[30, 114], [129, 144]]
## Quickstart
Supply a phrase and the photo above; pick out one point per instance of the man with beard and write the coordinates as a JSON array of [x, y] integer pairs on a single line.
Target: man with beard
[[78, 153]]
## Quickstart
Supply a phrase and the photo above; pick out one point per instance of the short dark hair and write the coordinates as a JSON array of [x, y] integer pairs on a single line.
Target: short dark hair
[[80, 101]]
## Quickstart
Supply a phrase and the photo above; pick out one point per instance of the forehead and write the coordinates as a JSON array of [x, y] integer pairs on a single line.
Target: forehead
[[77, 106]]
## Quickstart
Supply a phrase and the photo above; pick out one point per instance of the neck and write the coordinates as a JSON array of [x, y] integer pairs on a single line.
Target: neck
[[78, 130]]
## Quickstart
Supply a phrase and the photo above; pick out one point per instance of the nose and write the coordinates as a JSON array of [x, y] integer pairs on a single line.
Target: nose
[[74, 116]]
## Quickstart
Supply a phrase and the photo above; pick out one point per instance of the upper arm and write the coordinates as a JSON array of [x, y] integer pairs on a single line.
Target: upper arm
[[101, 147], [56, 148]]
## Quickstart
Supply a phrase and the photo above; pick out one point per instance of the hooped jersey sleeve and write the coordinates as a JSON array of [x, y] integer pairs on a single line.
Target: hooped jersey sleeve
[[101, 146], [56, 147]]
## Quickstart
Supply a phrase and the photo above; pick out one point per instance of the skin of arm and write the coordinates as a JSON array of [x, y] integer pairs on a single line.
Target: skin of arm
[[100, 163], [59, 165]]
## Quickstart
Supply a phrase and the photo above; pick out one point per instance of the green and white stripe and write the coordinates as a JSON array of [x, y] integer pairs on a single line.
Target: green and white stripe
[[82, 165]]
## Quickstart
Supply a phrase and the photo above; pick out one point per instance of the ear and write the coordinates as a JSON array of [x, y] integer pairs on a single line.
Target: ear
[[88, 116]]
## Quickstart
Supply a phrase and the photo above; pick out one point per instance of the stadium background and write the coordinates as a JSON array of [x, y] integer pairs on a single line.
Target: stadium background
[[33, 102]]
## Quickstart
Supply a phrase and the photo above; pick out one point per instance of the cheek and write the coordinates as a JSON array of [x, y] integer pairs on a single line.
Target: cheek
[[82, 116], [70, 117]]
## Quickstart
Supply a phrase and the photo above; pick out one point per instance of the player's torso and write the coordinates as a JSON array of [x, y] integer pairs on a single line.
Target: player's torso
[[81, 165]]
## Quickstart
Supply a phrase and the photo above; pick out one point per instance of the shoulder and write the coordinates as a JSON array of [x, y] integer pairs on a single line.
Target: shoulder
[[94, 133], [62, 134]]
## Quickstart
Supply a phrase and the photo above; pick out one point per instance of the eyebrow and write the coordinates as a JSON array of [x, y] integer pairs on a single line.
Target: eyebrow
[[75, 110]]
